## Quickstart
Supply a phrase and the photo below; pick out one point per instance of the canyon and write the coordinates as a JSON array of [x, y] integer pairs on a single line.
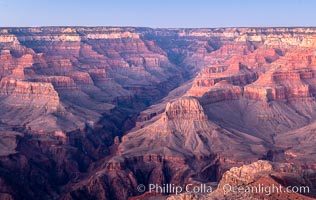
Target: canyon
[[92, 112]]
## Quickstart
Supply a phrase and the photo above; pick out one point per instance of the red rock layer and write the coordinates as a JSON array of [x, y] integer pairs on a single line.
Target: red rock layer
[[280, 85], [20, 91]]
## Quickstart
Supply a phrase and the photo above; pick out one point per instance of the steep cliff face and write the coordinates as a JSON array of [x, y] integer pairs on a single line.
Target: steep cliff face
[[27, 91], [67, 92], [281, 85]]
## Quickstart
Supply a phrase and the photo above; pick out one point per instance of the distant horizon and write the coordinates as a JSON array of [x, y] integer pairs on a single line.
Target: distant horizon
[[158, 14], [101, 26]]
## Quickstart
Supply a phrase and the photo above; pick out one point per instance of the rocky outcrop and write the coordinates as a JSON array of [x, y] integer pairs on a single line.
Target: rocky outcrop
[[14, 67], [265, 174], [185, 108], [245, 174], [221, 91], [235, 74], [259, 180], [222, 83], [59, 82], [280, 85], [20, 92], [82, 78]]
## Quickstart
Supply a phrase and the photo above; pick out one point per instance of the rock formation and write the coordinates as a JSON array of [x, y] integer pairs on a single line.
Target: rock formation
[[259, 180]]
